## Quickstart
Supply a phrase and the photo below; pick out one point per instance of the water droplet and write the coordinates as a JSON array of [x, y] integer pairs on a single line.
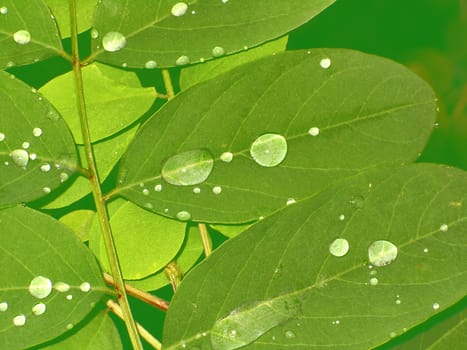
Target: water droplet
[[25, 145], [62, 287], [436, 125], [179, 9], [373, 281], [182, 60], [3, 10], [342, 217], [290, 201], [158, 188], [226, 157], [94, 33], [398, 301], [339, 247], [69, 297], [124, 64], [196, 190], [20, 157], [218, 51], [188, 168], [313, 131], [382, 253], [148, 205], [150, 64], [22, 37], [37, 132], [85, 287], [63, 177], [2, 136], [435, 306], [357, 202], [40, 287], [325, 63], [45, 167], [290, 335], [145, 191], [225, 1], [393, 334], [39, 309], [69, 326], [19, 320], [46, 190], [425, 250], [216, 189], [32, 156], [3, 306], [113, 41], [444, 228], [183, 216], [269, 150]]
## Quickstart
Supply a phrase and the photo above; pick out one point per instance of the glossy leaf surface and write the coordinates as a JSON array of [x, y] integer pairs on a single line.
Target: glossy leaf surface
[[167, 33], [85, 11], [318, 124], [280, 286]]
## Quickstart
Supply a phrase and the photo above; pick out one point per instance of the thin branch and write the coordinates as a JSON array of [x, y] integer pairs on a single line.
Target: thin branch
[[206, 239], [168, 84]]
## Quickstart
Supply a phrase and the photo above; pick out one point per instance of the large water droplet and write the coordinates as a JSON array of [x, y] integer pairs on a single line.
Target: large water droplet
[[39, 309], [218, 51], [22, 37], [182, 60], [85, 287], [3, 306], [339, 247], [188, 168], [179, 9], [20, 157], [325, 63], [113, 41], [19, 320], [183, 215], [382, 253], [3, 10], [269, 150], [40, 287]]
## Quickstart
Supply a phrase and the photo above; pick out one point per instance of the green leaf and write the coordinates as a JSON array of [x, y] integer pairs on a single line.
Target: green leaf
[[49, 280], [37, 152], [230, 230], [167, 33], [318, 124], [80, 222], [100, 334], [28, 33], [284, 284], [192, 75], [111, 105], [85, 11]]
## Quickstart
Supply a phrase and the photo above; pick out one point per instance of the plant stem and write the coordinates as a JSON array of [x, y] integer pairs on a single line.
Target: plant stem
[[168, 84], [96, 188], [113, 306], [206, 239]]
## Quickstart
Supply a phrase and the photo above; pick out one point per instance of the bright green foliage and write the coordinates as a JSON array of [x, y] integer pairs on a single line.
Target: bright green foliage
[[169, 33], [37, 152], [35, 245], [60, 10], [80, 222], [340, 299], [386, 120], [28, 33]]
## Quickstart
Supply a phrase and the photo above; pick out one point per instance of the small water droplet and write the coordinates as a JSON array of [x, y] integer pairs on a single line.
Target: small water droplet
[[124, 64], [325, 63], [94, 33], [2, 136], [182, 60], [290, 201], [63, 177], [218, 51], [290, 335], [435, 306], [339, 247], [179, 9], [62, 287], [148, 205], [225, 1], [151, 64], [342, 217], [269, 150], [158, 188], [444, 228], [226, 157], [25, 145], [398, 301], [313, 131], [436, 125], [113, 41], [196, 190], [188, 168], [19, 320], [425, 250], [3, 306], [373, 281], [393, 334], [217, 189], [46, 189], [3, 10], [37, 132], [233, 334], [45, 167], [69, 326], [145, 191], [40, 287], [382, 253], [69, 297], [85, 287], [39, 309], [183, 216], [358, 202], [20, 157], [32, 156], [22, 37]]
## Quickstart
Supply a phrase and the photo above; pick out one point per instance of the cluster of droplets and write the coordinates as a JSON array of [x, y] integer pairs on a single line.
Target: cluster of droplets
[[41, 287]]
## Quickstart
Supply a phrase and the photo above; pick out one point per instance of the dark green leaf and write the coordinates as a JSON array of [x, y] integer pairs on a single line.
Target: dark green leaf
[[37, 152], [284, 284], [49, 280], [318, 124], [166, 33], [28, 33]]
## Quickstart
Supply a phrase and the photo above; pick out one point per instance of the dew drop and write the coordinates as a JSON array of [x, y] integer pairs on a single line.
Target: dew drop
[[3, 306], [444, 228], [32, 156], [182, 60], [225, 157], [148, 205], [313, 131], [398, 301], [22, 37], [425, 250], [179, 9], [188, 168], [63, 177], [45, 167], [158, 188], [25, 145], [357, 202], [339, 247], [269, 150], [20, 157], [218, 51], [183, 215], [225, 1], [19, 320], [150, 64], [69, 297], [39, 309], [325, 63], [435, 306], [113, 41], [196, 190], [2, 136], [85, 287], [94, 33], [69, 326], [40, 287], [37, 132], [290, 335], [146, 192], [290, 201], [216, 189], [62, 287], [3, 10], [342, 217], [46, 190], [373, 281], [382, 253]]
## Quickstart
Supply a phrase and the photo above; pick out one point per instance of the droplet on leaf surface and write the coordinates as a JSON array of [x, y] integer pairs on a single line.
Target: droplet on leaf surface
[[182, 60], [339, 247], [218, 51], [269, 150], [22, 37], [188, 168], [183, 216], [19, 320], [20, 157], [113, 41], [40, 287], [3, 306], [325, 63], [179, 9], [150, 64], [39, 309], [226, 157], [382, 253]]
